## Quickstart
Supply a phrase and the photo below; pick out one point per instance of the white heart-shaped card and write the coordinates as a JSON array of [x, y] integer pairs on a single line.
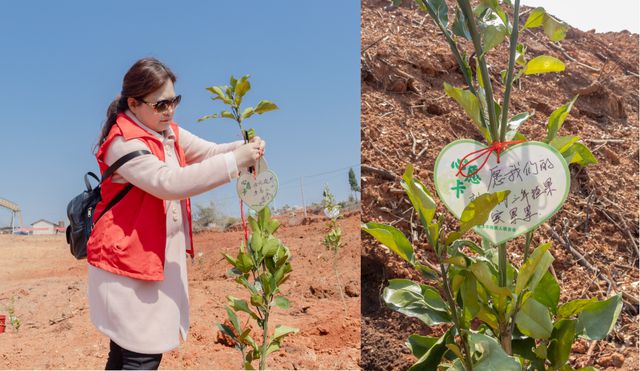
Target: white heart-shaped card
[[257, 191], [535, 173]]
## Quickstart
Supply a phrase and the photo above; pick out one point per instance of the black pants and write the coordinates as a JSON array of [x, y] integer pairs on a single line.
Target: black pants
[[122, 359]]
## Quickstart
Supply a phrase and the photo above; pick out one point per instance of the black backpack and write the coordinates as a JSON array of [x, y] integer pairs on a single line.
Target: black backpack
[[80, 209]]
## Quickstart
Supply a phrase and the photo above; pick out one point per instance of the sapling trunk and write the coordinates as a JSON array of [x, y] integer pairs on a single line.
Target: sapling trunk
[[513, 43], [465, 7], [265, 344], [454, 313]]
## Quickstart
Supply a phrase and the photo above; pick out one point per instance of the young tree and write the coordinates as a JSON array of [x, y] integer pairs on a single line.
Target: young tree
[[353, 182]]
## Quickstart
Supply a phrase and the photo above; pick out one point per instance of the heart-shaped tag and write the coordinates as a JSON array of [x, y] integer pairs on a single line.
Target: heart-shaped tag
[[257, 191], [535, 173]]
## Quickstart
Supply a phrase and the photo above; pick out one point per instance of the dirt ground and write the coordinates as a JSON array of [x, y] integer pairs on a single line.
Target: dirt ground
[[46, 287], [406, 117]]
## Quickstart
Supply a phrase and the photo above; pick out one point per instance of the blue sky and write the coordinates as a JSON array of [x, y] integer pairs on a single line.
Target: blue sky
[[588, 14], [63, 63]]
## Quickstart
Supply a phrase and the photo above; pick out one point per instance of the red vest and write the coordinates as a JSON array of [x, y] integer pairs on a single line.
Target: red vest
[[130, 239]]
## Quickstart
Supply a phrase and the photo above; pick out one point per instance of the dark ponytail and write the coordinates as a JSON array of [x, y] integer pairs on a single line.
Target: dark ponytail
[[144, 77]]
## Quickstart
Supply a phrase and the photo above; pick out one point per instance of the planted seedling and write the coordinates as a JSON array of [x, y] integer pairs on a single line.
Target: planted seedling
[[332, 239], [261, 267], [502, 317], [262, 264]]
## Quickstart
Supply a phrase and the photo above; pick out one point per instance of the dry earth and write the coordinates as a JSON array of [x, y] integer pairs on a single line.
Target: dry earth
[[46, 287], [406, 117]]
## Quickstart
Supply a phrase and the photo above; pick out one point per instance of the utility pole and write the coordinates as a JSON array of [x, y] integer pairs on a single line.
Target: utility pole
[[302, 192]]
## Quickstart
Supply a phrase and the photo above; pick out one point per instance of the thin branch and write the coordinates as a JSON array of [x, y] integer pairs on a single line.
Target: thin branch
[[513, 43]]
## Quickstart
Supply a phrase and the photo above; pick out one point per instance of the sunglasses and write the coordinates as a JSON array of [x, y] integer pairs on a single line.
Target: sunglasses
[[163, 105]]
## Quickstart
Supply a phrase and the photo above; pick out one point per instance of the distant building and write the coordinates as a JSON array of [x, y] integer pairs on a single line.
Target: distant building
[[43, 226]]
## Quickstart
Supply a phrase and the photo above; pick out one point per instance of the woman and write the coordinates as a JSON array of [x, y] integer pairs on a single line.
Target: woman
[[138, 294]]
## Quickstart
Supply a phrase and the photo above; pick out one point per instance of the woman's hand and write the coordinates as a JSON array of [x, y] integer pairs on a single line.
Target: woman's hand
[[247, 154], [261, 143]]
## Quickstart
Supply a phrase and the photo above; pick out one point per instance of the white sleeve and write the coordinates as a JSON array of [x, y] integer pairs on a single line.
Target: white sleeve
[[153, 176], [197, 149]]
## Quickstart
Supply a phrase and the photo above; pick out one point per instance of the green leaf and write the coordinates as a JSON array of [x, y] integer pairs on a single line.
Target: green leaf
[[250, 134], [233, 318], [248, 112], [418, 301], [476, 213], [437, 9], [547, 292], [524, 347], [458, 244], [391, 238], [536, 265], [255, 228], [540, 351], [493, 29], [242, 86], [431, 359], [265, 106], [574, 307], [273, 347], [282, 331], [420, 198], [467, 100], [563, 143], [487, 316], [533, 319], [244, 262], [207, 117], [227, 330], [273, 225], [597, 319], [270, 246], [543, 64], [426, 271], [460, 27], [458, 260], [419, 345], [492, 357], [257, 300], [554, 29], [579, 154], [281, 302], [230, 260], [557, 117], [241, 305], [227, 114], [218, 92], [481, 270], [469, 293], [564, 332], [536, 17], [521, 51], [256, 242], [232, 82], [455, 349], [514, 123]]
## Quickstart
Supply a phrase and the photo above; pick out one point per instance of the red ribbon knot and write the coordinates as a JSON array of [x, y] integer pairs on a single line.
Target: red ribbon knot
[[496, 147]]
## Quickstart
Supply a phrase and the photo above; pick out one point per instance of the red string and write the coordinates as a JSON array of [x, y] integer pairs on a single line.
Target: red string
[[244, 225], [496, 147]]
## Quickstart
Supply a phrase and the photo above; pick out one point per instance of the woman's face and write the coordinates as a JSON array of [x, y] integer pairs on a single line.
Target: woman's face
[[148, 115]]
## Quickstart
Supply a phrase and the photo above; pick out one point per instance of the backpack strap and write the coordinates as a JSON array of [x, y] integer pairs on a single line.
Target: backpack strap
[[121, 161]]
